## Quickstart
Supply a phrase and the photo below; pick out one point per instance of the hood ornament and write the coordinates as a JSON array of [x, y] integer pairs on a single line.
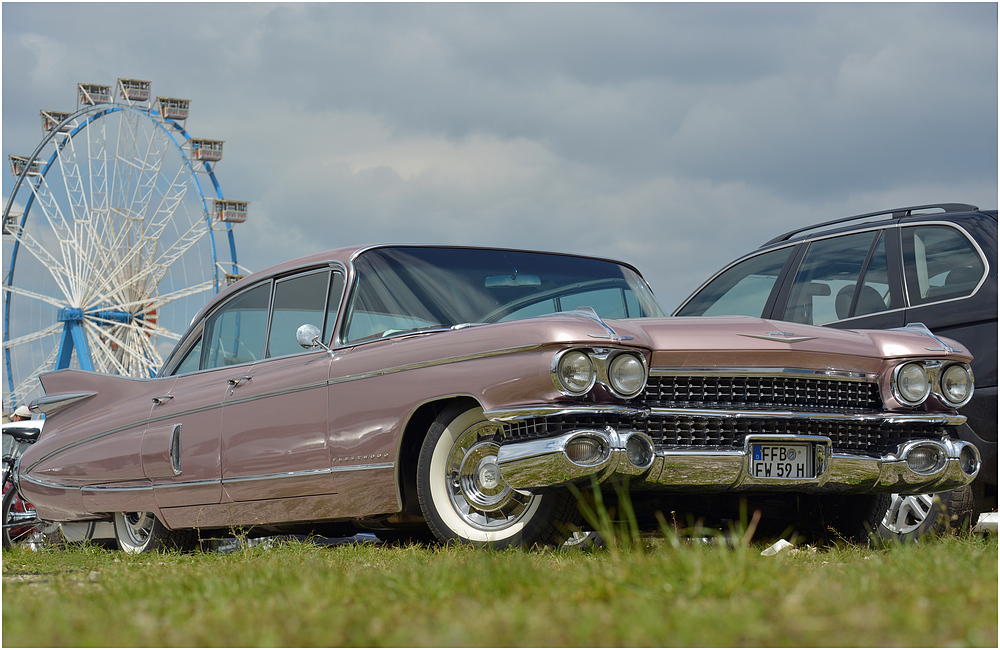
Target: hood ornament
[[784, 337], [591, 313], [920, 328]]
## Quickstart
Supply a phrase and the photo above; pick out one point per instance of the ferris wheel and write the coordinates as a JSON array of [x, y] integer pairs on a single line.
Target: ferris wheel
[[111, 238]]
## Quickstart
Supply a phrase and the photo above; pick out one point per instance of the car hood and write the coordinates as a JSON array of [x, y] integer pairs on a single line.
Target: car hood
[[755, 342]]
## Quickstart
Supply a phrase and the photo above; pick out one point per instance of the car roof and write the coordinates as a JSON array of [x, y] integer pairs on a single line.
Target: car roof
[[950, 211]]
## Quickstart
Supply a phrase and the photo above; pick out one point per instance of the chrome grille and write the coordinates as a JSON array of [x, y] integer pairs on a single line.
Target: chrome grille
[[761, 393]]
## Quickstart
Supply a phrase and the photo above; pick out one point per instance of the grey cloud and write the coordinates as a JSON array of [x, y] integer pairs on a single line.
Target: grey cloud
[[674, 135]]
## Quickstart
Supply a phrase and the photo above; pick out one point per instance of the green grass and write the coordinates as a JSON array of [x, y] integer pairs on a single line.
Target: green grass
[[660, 592]]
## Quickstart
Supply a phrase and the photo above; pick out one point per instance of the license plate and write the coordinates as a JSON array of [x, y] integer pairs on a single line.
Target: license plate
[[781, 461]]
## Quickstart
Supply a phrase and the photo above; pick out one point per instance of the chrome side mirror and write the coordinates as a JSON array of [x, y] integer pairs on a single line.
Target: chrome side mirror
[[308, 336]]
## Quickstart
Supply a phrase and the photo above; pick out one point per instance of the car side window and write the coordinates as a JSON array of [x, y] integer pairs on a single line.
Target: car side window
[[235, 334], [297, 301], [333, 304], [742, 289], [874, 283], [191, 360], [828, 273], [940, 263]]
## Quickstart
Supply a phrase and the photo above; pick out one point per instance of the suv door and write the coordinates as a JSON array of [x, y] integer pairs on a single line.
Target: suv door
[[747, 288], [846, 281]]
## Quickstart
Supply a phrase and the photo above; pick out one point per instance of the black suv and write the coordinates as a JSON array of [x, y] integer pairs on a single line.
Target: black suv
[[930, 264]]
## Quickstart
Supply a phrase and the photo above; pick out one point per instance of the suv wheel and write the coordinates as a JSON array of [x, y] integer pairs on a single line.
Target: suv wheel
[[911, 516]]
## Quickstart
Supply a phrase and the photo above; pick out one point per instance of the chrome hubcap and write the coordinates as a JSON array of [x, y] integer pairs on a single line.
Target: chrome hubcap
[[478, 492], [139, 526]]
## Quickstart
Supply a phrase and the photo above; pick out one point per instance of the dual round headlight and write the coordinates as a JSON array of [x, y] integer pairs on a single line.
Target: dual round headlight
[[627, 375], [576, 372], [913, 382], [956, 385]]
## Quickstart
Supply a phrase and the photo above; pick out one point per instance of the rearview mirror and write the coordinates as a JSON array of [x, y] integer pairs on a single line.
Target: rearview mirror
[[513, 281]]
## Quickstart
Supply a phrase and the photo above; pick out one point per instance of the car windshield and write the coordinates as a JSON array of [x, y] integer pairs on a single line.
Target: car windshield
[[413, 288]]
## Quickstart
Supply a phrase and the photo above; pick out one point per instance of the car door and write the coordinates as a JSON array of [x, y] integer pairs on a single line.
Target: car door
[[186, 420], [275, 420], [182, 446]]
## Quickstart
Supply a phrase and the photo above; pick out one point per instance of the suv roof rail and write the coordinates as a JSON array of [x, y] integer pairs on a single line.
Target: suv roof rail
[[897, 213]]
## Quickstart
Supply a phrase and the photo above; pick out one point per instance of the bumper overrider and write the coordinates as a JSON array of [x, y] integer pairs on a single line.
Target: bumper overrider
[[580, 455]]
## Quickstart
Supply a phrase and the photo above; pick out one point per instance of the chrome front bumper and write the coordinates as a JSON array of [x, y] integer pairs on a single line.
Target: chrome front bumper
[[607, 453]]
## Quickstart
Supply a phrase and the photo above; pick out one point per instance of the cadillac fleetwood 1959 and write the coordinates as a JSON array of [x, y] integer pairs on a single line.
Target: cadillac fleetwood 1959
[[457, 393]]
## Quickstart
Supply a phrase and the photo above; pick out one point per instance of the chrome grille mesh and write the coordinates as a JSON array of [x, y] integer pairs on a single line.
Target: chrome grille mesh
[[762, 393]]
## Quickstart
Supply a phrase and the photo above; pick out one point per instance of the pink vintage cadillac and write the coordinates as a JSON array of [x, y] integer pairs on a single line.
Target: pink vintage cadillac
[[458, 393]]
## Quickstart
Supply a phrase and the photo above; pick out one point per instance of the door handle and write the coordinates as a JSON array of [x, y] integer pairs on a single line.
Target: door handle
[[236, 381], [162, 399]]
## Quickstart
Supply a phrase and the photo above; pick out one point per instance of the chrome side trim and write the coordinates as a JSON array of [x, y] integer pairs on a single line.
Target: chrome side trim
[[305, 473], [358, 468], [529, 412], [270, 477], [434, 363], [223, 481], [117, 488]]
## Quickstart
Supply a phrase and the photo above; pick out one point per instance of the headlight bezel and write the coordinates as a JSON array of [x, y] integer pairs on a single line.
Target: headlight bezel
[[900, 383], [559, 375], [943, 378], [934, 372], [616, 361], [604, 364]]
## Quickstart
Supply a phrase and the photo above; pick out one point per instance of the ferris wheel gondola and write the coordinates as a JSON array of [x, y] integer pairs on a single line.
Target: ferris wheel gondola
[[111, 237]]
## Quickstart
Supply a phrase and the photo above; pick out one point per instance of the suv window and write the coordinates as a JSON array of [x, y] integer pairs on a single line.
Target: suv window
[[940, 264], [742, 289], [827, 280]]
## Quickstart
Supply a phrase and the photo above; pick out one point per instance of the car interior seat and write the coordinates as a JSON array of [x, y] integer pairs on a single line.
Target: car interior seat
[[869, 302]]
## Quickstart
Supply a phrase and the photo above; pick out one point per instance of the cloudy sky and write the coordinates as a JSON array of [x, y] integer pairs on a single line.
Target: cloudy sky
[[674, 136]]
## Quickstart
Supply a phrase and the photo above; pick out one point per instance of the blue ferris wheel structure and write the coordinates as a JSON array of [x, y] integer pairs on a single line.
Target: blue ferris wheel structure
[[112, 241]]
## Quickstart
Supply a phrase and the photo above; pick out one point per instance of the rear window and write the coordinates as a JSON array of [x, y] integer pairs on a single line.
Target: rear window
[[940, 263]]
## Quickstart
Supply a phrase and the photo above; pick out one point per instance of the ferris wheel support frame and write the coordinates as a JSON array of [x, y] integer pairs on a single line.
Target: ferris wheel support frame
[[73, 337]]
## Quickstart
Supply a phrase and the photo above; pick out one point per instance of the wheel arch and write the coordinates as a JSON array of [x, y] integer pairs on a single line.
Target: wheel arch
[[416, 429]]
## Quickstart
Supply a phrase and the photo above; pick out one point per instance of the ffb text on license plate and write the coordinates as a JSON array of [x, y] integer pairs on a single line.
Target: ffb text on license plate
[[781, 461]]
